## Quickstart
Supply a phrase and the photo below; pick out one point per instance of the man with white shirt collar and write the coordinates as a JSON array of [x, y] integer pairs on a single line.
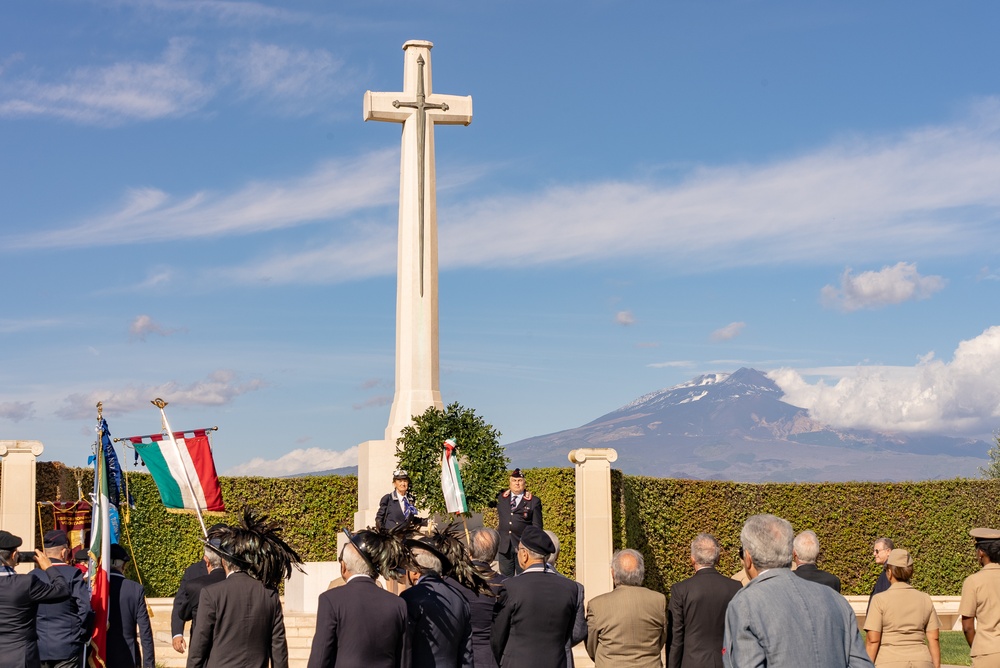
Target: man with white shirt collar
[[359, 623], [517, 508]]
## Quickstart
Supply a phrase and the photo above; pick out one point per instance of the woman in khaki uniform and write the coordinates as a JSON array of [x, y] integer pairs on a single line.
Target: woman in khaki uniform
[[900, 618], [980, 606]]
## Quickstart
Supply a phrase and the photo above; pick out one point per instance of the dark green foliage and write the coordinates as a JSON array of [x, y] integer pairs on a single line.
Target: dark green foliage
[[659, 517], [481, 458]]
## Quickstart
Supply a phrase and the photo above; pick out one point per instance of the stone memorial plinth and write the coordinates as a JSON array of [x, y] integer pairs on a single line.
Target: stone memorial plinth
[[594, 541], [17, 492]]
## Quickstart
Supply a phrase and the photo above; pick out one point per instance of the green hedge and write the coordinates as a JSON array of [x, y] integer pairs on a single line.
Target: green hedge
[[656, 516]]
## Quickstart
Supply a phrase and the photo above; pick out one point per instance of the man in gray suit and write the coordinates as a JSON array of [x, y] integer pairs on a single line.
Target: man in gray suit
[[627, 626], [697, 612], [780, 620]]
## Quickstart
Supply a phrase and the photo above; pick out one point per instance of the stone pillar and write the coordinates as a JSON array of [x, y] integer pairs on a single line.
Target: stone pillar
[[594, 542], [17, 491]]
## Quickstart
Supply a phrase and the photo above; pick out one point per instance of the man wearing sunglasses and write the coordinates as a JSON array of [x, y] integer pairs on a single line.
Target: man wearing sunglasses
[[880, 550]]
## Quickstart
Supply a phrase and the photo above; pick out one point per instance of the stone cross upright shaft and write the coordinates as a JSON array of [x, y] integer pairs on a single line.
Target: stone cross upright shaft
[[419, 109]]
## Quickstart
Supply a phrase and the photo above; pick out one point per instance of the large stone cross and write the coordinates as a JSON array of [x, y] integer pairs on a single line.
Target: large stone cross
[[419, 109]]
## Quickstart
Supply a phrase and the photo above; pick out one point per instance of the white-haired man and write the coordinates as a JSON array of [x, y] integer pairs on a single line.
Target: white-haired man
[[805, 551], [359, 623], [782, 621], [697, 612], [628, 625]]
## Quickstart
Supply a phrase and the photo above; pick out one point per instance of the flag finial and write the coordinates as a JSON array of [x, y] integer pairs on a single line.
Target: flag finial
[[159, 403]]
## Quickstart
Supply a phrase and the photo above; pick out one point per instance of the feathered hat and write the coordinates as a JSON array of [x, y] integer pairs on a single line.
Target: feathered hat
[[383, 549], [255, 548], [446, 544]]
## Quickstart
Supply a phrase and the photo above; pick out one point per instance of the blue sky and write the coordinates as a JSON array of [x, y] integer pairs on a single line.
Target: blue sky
[[191, 207]]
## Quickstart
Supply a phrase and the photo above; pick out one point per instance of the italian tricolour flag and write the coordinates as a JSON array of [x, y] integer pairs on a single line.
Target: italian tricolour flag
[[172, 469], [451, 480], [100, 555]]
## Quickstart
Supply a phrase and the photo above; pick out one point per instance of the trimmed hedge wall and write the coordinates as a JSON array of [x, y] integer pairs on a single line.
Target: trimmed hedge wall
[[659, 517]]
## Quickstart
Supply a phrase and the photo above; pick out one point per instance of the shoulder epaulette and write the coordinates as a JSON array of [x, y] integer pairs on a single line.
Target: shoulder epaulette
[[505, 493], [527, 496]]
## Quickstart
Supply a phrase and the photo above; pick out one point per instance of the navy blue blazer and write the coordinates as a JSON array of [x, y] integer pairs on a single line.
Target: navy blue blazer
[[196, 570], [20, 595], [439, 624], [483, 608], [389, 514], [127, 612], [536, 619], [64, 627], [512, 521], [359, 624]]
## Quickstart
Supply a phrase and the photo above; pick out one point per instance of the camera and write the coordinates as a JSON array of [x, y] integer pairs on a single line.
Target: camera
[[26, 557]]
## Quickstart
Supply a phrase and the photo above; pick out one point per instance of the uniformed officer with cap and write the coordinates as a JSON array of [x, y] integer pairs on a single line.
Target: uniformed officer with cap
[[900, 618], [398, 505], [536, 611], [980, 605], [517, 509], [64, 627], [20, 595]]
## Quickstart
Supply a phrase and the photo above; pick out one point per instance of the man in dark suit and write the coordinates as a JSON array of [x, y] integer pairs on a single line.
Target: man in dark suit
[[189, 595], [20, 595], [881, 549], [805, 551], [580, 625], [240, 623], [359, 623], [537, 609], [627, 626], [517, 508], [64, 627], [482, 607], [198, 569], [127, 612], [697, 611], [440, 629]]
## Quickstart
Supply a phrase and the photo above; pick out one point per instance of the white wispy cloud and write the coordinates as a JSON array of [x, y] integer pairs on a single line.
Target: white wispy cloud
[[876, 289], [287, 81], [332, 190], [144, 325], [676, 364], [929, 192], [15, 411], [302, 460], [226, 11], [625, 318], [11, 326], [296, 82], [171, 86], [961, 396], [219, 388], [730, 331]]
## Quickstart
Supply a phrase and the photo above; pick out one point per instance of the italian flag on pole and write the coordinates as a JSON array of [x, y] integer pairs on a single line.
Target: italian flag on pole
[[451, 480], [100, 574], [184, 475]]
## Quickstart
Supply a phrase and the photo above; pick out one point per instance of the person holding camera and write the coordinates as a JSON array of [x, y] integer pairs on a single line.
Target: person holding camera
[[19, 599]]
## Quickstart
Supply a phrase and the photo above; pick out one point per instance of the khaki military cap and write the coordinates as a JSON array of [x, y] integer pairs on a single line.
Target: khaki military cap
[[900, 558], [982, 533]]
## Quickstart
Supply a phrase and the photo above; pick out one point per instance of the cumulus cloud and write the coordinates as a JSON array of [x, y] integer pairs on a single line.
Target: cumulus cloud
[[625, 318], [875, 289], [302, 460], [961, 396], [144, 325], [730, 331], [15, 411], [218, 389]]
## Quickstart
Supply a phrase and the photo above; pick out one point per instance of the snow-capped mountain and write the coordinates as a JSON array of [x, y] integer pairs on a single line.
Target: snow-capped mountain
[[735, 426]]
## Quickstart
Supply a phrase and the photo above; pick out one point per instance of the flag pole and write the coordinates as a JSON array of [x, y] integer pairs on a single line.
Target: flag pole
[[161, 404]]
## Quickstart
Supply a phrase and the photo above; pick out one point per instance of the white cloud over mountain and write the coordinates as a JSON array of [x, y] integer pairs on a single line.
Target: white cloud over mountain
[[958, 397], [730, 331], [301, 460], [876, 289]]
